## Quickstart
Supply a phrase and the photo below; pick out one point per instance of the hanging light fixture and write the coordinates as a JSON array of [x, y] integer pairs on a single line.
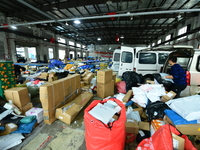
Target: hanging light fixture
[[77, 22]]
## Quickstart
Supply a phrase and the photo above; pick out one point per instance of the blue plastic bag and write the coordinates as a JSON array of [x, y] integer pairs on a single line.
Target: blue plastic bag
[[25, 127]]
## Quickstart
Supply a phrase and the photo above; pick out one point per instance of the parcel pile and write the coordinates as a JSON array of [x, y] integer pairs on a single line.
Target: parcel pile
[[153, 118]]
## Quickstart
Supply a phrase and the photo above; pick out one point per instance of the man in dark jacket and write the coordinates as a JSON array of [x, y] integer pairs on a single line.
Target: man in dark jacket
[[178, 74]]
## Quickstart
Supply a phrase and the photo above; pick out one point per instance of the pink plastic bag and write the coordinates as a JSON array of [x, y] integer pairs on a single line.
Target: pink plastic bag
[[121, 87]]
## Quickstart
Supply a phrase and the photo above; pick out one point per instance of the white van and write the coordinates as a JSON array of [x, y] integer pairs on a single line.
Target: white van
[[141, 60], [149, 61], [115, 60], [189, 59]]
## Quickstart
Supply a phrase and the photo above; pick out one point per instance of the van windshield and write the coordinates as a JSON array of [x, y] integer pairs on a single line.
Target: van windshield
[[116, 56], [127, 57], [162, 57]]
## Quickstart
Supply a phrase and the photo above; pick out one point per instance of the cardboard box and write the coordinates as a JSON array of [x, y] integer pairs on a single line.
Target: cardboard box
[[114, 77], [11, 127], [178, 142], [18, 95], [170, 95], [38, 112], [52, 74], [44, 74], [187, 129], [132, 127], [82, 83], [144, 125], [57, 93], [49, 116], [104, 76], [150, 82], [140, 110], [128, 95], [69, 111], [88, 78], [105, 90], [26, 107]]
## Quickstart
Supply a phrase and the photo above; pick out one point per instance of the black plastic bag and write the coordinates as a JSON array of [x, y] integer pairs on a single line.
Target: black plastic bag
[[166, 84], [132, 79], [155, 110]]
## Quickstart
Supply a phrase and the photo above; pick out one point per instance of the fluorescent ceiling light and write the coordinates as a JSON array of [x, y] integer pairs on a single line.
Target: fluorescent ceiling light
[[99, 39], [122, 37], [13, 27], [77, 22]]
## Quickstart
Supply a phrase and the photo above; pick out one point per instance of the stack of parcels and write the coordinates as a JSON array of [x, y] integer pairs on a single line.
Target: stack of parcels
[[107, 112], [153, 92], [185, 114], [52, 77], [57, 93], [20, 98], [105, 83]]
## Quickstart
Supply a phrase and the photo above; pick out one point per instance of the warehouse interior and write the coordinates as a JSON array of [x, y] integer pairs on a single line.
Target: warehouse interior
[[32, 33]]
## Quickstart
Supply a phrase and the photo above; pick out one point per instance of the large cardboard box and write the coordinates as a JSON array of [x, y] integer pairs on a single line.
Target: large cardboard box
[[87, 78], [128, 95], [18, 95], [187, 129], [168, 97], [105, 90], [26, 107], [132, 127], [49, 116], [57, 93], [69, 111], [104, 76]]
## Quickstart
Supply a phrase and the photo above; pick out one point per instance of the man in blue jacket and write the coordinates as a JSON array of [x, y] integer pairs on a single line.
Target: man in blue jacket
[[178, 74]]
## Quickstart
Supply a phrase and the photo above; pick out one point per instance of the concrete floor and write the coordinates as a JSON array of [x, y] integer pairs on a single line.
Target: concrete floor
[[58, 135]]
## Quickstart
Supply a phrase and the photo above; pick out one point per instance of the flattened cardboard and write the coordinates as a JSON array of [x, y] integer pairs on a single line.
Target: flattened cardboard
[[128, 95], [105, 90], [104, 76], [18, 95]]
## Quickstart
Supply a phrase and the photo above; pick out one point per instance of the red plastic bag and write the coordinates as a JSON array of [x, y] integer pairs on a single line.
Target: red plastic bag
[[162, 140], [99, 136], [121, 87]]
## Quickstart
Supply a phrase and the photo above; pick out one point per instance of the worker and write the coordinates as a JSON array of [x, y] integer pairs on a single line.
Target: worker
[[178, 75]]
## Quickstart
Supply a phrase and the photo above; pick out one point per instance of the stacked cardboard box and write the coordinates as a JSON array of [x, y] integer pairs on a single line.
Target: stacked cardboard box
[[105, 83], [57, 93], [19, 97]]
